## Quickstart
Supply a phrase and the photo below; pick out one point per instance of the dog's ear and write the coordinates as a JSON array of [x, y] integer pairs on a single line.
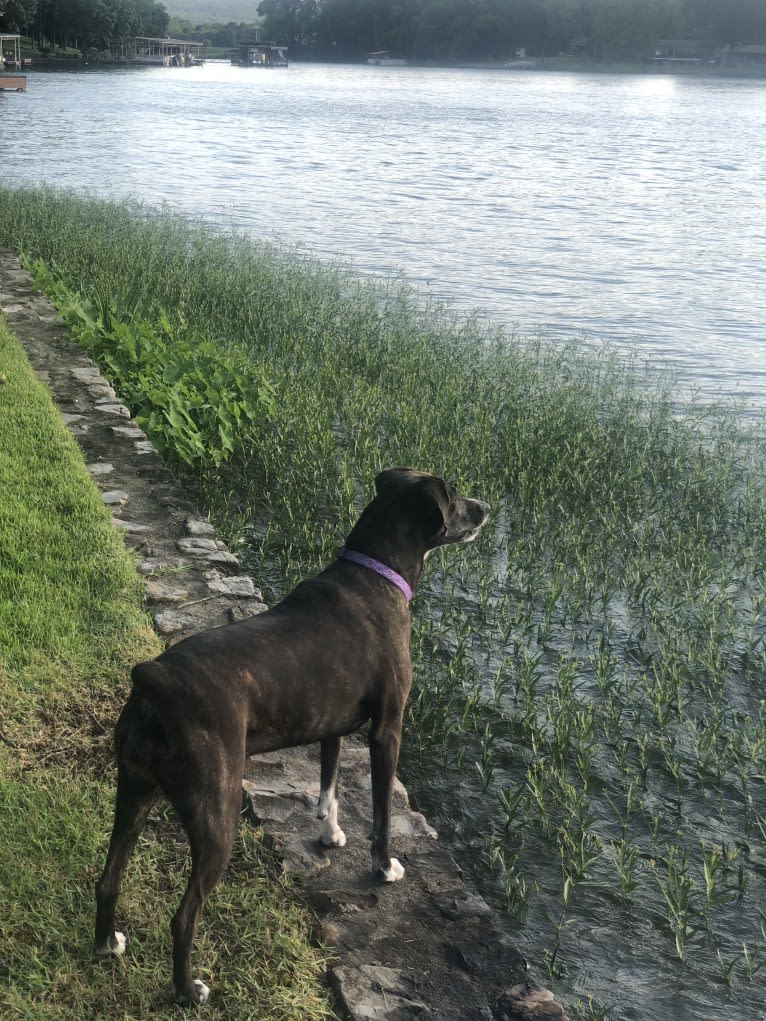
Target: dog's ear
[[435, 501], [433, 505], [396, 476]]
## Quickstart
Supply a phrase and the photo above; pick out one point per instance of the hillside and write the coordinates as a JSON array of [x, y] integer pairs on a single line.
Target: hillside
[[218, 11]]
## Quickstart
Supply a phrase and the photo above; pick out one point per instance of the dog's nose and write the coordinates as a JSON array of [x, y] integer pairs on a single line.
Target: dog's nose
[[480, 511]]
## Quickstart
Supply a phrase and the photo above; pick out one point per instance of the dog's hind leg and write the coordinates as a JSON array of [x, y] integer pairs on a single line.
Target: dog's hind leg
[[330, 834], [210, 815], [135, 798]]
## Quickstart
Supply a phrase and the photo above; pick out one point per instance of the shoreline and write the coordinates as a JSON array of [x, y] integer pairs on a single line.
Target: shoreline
[[428, 944], [537, 64]]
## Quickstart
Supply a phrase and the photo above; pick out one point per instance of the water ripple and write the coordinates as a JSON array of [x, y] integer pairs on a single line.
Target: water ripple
[[628, 208]]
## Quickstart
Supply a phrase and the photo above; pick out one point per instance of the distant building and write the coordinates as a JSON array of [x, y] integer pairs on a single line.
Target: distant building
[[158, 51], [10, 51], [677, 55], [259, 54], [683, 49], [743, 56]]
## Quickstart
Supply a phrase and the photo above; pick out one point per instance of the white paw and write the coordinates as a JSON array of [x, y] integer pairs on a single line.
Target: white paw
[[201, 992], [332, 837], [393, 873], [330, 834], [114, 945]]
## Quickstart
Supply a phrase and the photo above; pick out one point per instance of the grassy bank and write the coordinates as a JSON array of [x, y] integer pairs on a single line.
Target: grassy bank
[[71, 625], [590, 675]]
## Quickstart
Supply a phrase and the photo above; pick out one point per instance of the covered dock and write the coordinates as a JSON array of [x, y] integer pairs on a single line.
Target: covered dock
[[167, 52], [10, 60], [260, 55]]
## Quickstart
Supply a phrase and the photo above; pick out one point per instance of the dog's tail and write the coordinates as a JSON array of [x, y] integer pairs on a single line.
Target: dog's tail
[[154, 690], [150, 678], [142, 726]]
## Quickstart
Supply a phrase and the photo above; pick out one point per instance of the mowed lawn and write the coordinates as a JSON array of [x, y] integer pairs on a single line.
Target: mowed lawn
[[72, 623]]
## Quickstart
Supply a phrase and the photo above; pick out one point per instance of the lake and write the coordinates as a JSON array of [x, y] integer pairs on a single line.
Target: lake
[[629, 209]]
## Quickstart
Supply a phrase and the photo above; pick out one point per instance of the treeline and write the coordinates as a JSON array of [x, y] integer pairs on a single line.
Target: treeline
[[82, 24], [445, 30], [420, 30]]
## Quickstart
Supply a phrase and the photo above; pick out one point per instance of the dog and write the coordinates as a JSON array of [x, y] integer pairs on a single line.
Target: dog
[[330, 657]]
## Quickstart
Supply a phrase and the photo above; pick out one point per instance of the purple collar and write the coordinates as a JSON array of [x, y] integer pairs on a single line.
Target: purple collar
[[375, 565]]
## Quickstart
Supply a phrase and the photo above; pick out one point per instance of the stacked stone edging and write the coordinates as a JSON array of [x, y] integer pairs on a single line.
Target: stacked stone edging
[[425, 947]]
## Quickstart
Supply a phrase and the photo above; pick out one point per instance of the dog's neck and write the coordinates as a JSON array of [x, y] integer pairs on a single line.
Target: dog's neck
[[379, 568]]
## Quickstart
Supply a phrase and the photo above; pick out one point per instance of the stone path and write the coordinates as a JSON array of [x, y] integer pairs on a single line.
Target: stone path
[[424, 947]]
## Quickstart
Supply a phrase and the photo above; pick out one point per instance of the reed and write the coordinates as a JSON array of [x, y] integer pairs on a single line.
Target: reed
[[590, 670]]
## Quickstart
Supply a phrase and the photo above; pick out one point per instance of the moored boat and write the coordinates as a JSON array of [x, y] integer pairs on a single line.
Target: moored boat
[[383, 58], [259, 55], [13, 82]]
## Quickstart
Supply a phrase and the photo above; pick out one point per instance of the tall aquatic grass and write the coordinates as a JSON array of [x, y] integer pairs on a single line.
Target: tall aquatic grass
[[589, 677]]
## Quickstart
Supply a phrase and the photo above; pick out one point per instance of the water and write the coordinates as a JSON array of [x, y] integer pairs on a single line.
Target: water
[[631, 209]]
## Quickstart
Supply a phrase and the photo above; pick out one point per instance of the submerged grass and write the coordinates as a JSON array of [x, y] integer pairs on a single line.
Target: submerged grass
[[71, 625], [593, 671]]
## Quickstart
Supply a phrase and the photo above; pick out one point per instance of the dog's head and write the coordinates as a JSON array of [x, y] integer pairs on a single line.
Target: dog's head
[[443, 516]]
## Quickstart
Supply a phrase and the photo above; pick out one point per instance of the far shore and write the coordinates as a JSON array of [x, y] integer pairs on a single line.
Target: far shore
[[35, 61]]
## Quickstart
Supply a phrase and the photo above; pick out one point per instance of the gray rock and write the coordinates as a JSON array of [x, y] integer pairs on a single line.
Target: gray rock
[[168, 622], [242, 587], [528, 1002], [115, 497], [199, 527], [129, 432], [88, 374], [110, 407], [241, 611], [132, 527], [165, 590], [373, 993]]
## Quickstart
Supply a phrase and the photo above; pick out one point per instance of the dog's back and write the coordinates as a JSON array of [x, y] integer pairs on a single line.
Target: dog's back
[[310, 667]]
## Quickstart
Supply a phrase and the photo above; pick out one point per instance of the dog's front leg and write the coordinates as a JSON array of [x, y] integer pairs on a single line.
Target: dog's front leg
[[330, 834], [384, 755]]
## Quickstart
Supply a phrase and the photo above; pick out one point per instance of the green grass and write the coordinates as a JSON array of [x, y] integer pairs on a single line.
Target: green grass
[[251, 947], [589, 675], [70, 602], [71, 624]]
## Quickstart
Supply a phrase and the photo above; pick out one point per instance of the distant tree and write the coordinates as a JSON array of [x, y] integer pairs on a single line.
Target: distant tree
[[566, 26], [629, 29], [453, 29], [527, 26], [448, 30], [735, 22], [83, 24], [151, 17], [294, 23], [348, 29], [93, 24], [18, 15]]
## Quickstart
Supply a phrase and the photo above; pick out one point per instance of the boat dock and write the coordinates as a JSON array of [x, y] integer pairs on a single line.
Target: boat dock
[[10, 59], [259, 54], [156, 51]]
